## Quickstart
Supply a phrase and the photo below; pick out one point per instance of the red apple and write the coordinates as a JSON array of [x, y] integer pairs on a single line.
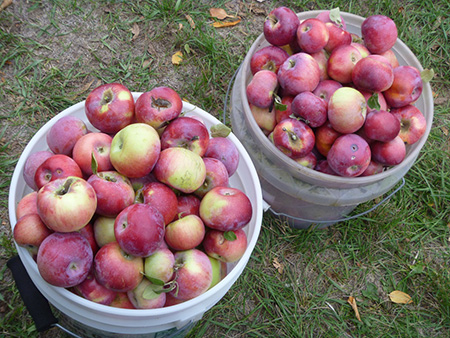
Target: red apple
[[194, 275], [362, 49], [66, 204], [332, 17], [299, 73], [135, 150], [117, 270], [27, 205], [308, 161], [186, 132], [185, 233], [377, 98], [30, 231], [406, 87], [163, 198], [187, 205], [261, 89], [64, 259], [281, 26], [216, 176], [389, 153], [373, 73], [341, 62], [381, 125], [32, 162], [227, 247], [293, 137], [122, 301], [158, 107], [97, 145], [326, 88], [312, 35], [55, 167], [391, 57], [224, 150], [347, 110], [324, 167], [139, 229], [110, 107], [88, 232], [310, 108], [92, 290], [373, 168], [180, 169], [412, 123], [280, 115], [337, 36], [379, 33], [321, 58], [64, 133], [265, 118], [225, 208], [325, 137], [268, 58], [349, 155], [114, 192]]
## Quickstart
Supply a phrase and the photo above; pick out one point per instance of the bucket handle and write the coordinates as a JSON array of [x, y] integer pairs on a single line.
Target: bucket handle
[[36, 304], [267, 207]]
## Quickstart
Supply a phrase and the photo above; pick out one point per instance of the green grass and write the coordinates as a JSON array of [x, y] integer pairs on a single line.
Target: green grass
[[52, 53]]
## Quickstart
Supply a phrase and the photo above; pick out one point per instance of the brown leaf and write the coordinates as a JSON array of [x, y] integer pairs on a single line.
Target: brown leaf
[[278, 265], [191, 22], [352, 301], [4, 4], [180, 26], [220, 24], [218, 13], [147, 63], [400, 297], [135, 30], [177, 58]]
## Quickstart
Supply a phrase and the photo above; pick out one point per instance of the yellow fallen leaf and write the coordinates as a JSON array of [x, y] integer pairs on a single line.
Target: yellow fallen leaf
[[278, 265], [177, 58], [191, 22], [220, 24], [4, 4], [352, 301], [400, 297], [218, 13]]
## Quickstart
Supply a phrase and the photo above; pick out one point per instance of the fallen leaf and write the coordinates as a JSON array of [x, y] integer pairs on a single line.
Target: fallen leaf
[[177, 58], [147, 63], [180, 26], [135, 30], [352, 301], [278, 265], [445, 131], [191, 22], [220, 24], [4, 4], [400, 297], [218, 13], [86, 87]]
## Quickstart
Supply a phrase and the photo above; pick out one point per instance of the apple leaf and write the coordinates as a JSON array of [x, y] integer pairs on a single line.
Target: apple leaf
[[277, 103], [427, 75], [230, 236], [352, 301], [335, 16], [220, 130], [94, 164], [373, 102], [400, 297], [149, 292], [155, 281], [177, 58]]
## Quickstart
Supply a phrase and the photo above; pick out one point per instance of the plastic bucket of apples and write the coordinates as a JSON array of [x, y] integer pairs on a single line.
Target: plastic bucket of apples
[[326, 143], [116, 205]]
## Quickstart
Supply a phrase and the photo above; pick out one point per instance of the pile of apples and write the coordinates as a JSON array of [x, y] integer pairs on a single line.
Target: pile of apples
[[331, 100], [138, 212]]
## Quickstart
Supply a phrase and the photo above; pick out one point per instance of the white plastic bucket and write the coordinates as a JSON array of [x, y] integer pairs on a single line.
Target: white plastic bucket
[[303, 196], [89, 319]]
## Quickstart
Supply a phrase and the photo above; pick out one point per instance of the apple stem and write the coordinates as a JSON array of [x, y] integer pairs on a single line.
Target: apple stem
[[291, 134]]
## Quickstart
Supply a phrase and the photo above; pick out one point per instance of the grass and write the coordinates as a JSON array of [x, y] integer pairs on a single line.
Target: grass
[[297, 282]]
